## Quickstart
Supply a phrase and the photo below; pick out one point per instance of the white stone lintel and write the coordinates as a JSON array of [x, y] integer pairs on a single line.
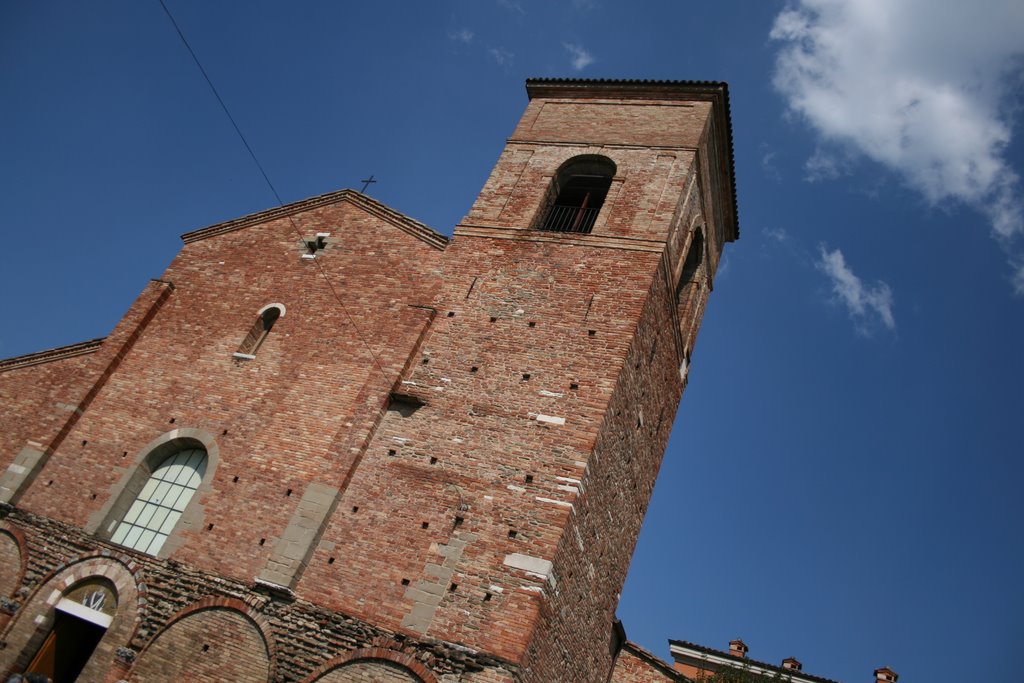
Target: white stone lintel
[[529, 564], [553, 502]]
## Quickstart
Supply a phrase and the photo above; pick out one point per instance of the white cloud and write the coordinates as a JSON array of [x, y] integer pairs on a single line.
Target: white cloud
[[916, 85], [512, 5], [463, 35], [771, 170], [867, 304], [777, 234], [1017, 279], [821, 166], [502, 56], [724, 267], [579, 56]]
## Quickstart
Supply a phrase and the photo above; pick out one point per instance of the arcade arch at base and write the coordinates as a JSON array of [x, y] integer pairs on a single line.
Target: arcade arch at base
[[206, 645], [372, 665], [74, 622], [378, 671]]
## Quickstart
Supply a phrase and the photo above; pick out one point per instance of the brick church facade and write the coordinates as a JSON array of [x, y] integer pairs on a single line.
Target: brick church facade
[[330, 444]]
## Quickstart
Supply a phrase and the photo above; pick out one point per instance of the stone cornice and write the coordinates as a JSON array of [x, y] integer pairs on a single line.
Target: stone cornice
[[574, 239], [49, 355]]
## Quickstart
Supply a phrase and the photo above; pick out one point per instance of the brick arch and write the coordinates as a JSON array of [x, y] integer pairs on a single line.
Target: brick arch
[[13, 559], [214, 639], [34, 620], [276, 305], [389, 666]]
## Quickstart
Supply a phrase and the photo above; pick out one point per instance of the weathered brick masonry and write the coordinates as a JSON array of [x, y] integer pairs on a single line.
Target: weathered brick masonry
[[433, 467], [636, 665]]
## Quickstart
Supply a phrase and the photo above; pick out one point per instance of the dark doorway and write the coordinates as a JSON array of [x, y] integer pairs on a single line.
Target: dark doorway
[[67, 648]]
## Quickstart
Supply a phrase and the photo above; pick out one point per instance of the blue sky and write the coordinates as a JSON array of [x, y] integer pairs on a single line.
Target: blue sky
[[843, 480]]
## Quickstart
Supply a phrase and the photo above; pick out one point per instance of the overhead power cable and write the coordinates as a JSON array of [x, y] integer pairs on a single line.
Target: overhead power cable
[[270, 185]]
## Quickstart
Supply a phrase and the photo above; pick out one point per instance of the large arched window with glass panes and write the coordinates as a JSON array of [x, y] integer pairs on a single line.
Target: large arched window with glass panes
[[158, 507]]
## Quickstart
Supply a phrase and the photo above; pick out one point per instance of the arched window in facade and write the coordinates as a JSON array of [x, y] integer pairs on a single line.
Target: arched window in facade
[[577, 194], [260, 329], [157, 508]]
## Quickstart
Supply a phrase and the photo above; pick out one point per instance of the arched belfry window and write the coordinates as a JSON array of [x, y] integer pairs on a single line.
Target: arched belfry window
[[158, 506], [694, 258], [688, 293], [577, 194], [260, 329]]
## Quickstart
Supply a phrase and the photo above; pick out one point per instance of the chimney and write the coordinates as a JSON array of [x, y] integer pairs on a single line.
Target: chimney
[[737, 648], [886, 675], [792, 664]]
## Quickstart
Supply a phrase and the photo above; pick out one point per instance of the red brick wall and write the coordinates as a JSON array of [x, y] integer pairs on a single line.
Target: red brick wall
[[478, 427], [209, 646], [79, 385], [638, 666], [594, 553], [38, 400], [614, 120], [279, 420]]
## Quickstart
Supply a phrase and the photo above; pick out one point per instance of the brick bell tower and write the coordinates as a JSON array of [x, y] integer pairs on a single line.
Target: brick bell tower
[[583, 271], [572, 295], [439, 475]]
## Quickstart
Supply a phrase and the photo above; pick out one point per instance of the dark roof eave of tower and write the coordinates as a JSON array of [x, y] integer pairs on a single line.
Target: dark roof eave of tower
[[368, 204], [641, 88]]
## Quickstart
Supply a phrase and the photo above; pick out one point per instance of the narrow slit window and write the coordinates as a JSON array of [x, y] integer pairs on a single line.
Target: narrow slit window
[[577, 194], [259, 331]]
